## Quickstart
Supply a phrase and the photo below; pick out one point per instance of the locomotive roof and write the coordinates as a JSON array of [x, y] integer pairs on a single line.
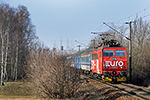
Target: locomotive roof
[[111, 43]]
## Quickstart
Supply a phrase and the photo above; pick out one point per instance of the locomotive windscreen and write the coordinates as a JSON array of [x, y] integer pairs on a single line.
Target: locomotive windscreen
[[120, 53], [108, 53]]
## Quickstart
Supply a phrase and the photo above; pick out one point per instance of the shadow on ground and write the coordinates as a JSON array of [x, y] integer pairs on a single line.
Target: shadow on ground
[[89, 92]]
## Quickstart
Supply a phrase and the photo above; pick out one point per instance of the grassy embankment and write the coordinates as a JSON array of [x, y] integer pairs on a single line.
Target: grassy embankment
[[16, 89]]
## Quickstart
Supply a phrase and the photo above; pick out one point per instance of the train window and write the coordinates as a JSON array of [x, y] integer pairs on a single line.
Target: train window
[[83, 59], [94, 56], [108, 53], [86, 59], [79, 60], [120, 53]]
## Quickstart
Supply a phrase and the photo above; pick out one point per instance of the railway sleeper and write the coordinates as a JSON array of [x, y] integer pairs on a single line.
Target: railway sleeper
[[140, 89], [132, 92]]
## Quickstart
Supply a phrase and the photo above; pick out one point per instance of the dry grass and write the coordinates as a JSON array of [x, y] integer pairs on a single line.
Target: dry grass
[[91, 90], [16, 89]]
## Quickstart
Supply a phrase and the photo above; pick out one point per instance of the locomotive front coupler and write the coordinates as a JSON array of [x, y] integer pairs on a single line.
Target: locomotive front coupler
[[114, 79]]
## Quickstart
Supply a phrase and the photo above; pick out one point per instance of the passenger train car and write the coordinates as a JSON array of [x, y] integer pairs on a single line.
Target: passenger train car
[[107, 61]]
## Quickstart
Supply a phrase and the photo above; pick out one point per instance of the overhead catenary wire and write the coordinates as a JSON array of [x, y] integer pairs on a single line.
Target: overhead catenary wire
[[145, 15], [81, 43], [116, 31], [99, 27], [136, 14]]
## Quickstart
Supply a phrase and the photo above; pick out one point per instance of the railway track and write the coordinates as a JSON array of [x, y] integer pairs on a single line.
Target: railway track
[[133, 90]]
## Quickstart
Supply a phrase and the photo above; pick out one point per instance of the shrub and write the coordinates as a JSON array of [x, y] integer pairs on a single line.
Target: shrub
[[52, 75]]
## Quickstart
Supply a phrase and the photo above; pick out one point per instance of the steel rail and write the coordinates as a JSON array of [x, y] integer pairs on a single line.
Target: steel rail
[[139, 92]]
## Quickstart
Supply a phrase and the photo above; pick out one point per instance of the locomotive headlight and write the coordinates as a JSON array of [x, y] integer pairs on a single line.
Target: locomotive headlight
[[104, 67]]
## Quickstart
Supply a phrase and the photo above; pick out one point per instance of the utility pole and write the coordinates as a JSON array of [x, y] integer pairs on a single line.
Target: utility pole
[[79, 47], [130, 51]]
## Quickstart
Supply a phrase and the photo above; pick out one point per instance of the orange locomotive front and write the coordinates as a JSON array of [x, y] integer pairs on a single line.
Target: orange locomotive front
[[109, 61]]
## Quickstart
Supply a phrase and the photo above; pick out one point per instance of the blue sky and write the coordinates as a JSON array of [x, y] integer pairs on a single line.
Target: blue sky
[[71, 20]]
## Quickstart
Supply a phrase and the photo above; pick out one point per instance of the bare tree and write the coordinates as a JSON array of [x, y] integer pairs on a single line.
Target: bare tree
[[52, 75], [24, 35], [141, 35], [3, 31], [16, 36]]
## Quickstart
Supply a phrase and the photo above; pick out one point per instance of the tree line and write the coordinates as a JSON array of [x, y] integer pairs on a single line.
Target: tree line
[[23, 56], [17, 36]]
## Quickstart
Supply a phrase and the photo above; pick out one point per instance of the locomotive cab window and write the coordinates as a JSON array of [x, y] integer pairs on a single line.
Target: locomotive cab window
[[108, 53], [94, 56], [120, 53]]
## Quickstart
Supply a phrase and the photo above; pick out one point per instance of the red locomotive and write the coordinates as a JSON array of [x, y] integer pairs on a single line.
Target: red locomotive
[[108, 61]]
